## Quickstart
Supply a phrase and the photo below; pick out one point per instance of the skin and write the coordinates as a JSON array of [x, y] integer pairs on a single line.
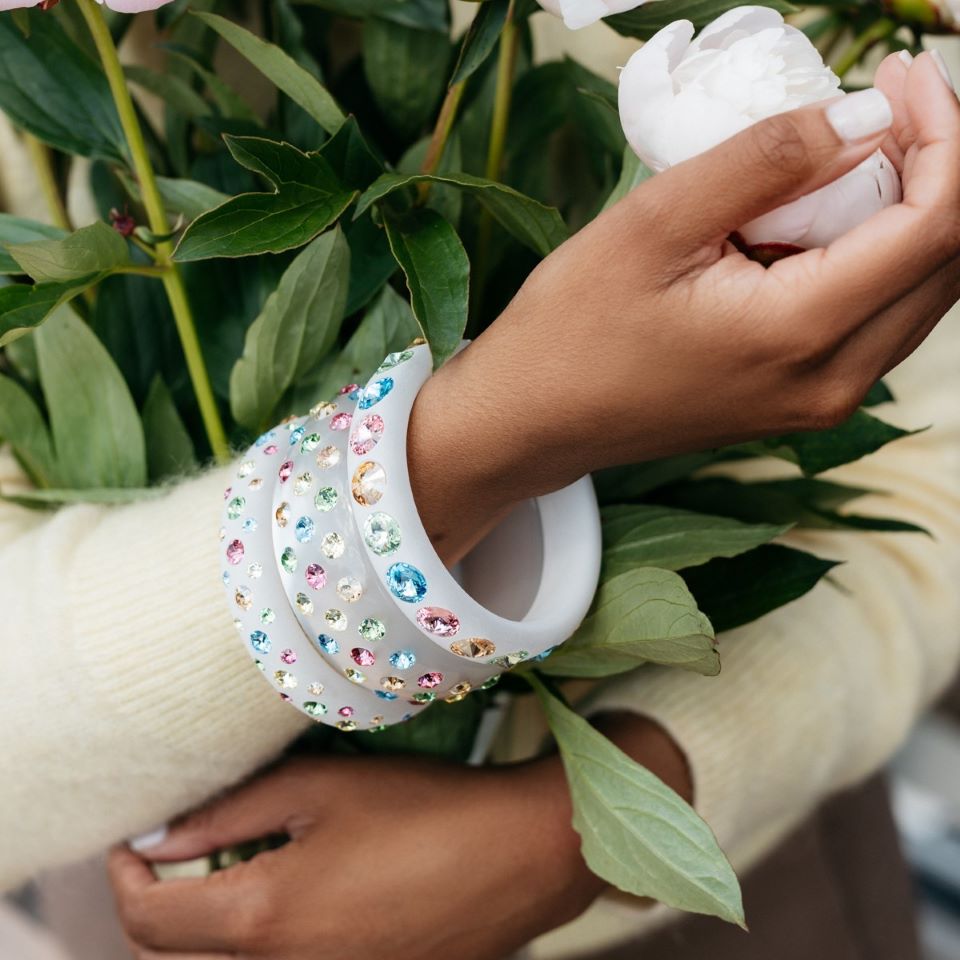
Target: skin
[[487, 855]]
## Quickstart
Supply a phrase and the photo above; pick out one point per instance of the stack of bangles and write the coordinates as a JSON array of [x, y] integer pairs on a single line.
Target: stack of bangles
[[335, 588]]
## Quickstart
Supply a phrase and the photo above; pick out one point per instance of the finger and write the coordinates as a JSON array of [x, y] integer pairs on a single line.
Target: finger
[[772, 163], [883, 259], [211, 913], [271, 804], [891, 78]]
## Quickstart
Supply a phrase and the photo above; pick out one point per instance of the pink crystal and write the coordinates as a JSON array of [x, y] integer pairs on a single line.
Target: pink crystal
[[288, 656], [316, 576], [271, 449], [287, 697], [438, 621], [286, 470], [346, 711], [349, 388], [235, 552], [362, 657], [430, 680], [367, 434], [227, 492], [340, 421]]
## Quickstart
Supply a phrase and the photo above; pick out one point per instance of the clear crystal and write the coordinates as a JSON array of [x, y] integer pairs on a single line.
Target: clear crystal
[[303, 483], [267, 616], [335, 619], [354, 675], [255, 570], [315, 689], [349, 589], [332, 546], [328, 457], [304, 604], [285, 679], [381, 533]]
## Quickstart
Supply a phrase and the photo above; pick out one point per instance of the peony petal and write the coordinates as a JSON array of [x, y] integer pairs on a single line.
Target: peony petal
[[734, 24], [18, 4], [134, 6], [582, 13]]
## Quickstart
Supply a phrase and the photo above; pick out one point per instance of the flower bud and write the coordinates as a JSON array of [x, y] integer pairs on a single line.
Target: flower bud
[[581, 13]]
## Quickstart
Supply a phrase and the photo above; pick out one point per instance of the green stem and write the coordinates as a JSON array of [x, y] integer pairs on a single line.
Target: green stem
[[441, 135], [157, 219], [877, 31], [145, 271], [500, 121], [42, 161]]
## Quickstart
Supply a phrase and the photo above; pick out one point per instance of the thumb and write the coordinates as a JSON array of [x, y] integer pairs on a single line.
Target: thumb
[[272, 804], [773, 162]]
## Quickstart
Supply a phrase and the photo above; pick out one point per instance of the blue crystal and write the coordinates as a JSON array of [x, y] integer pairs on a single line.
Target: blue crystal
[[403, 659], [304, 530], [385, 695], [296, 436], [250, 525], [260, 641], [375, 392], [226, 577], [406, 582], [328, 644], [542, 656], [265, 438]]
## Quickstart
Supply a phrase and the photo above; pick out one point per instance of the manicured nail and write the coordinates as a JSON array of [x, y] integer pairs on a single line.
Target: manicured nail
[[906, 57], [937, 57], [860, 115], [147, 841]]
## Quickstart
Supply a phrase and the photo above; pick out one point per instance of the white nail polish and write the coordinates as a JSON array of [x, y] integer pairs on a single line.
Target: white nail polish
[[860, 115], [906, 57], [937, 58], [147, 840]]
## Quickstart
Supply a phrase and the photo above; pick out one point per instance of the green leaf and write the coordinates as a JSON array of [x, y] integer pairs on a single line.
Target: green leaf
[[282, 70], [24, 307], [55, 498], [230, 104], [643, 615], [97, 433], [387, 327], [735, 591], [445, 199], [97, 249], [425, 14], [297, 327], [307, 198], [351, 158], [634, 481], [18, 230], [371, 262], [632, 174], [173, 90], [655, 536], [406, 69], [636, 832], [438, 277], [51, 88], [170, 450], [23, 427], [648, 19], [188, 197], [879, 393], [481, 39], [814, 453], [532, 223]]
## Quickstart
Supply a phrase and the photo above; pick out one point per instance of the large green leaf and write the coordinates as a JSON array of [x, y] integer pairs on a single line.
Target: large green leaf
[[438, 276], [644, 615], [282, 70], [18, 230], [481, 39], [860, 435], [97, 249], [636, 832], [738, 590], [105, 495], [633, 172], [23, 427], [387, 327], [634, 481], [97, 433], [425, 14], [538, 226], [24, 307], [50, 87], [172, 89], [406, 69], [170, 450], [188, 197], [653, 536], [297, 327], [645, 21], [371, 262], [307, 198]]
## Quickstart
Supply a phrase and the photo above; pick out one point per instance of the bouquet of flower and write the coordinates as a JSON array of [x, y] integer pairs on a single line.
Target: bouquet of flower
[[402, 184]]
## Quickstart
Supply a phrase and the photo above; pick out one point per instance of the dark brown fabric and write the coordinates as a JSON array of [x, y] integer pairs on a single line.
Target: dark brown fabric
[[837, 889]]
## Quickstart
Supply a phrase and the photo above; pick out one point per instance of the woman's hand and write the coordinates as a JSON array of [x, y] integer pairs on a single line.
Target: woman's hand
[[403, 859], [648, 334]]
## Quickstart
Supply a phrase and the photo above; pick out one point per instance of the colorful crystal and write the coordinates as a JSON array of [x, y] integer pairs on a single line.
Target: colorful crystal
[[328, 457], [264, 438], [393, 684], [406, 582], [392, 360], [438, 621], [322, 410], [288, 560], [349, 589], [510, 660], [367, 434], [473, 647], [347, 726], [303, 483], [341, 421], [267, 616], [282, 514], [243, 598], [250, 525], [314, 709], [285, 471], [235, 508], [315, 689], [346, 711], [326, 499], [335, 619], [296, 435], [363, 657], [246, 468], [355, 676], [304, 604], [381, 533], [271, 450], [385, 695], [235, 552], [304, 530], [372, 630], [373, 393], [316, 576], [333, 545], [348, 388], [310, 443], [260, 641], [369, 483], [403, 659], [255, 484], [328, 644], [430, 680], [288, 656], [424, 697], [285, 679]]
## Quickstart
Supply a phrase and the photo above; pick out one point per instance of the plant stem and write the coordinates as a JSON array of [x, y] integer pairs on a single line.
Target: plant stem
[[877, 31], [441, 135], [499, 124], [42, 161], [145, 271], [157, 218]]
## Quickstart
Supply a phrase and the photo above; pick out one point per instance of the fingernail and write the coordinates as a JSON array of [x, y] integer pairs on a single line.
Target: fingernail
[[906, 57], [937, 58], [860, 115], [147, 841]]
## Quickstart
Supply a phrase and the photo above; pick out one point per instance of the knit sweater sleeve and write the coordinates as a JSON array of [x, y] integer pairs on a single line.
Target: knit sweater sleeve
[[125, 695], [819, 694]]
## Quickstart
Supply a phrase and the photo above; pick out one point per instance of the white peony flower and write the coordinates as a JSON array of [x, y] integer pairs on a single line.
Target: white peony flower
[[119, 6], [581, 13], [680, 96]]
